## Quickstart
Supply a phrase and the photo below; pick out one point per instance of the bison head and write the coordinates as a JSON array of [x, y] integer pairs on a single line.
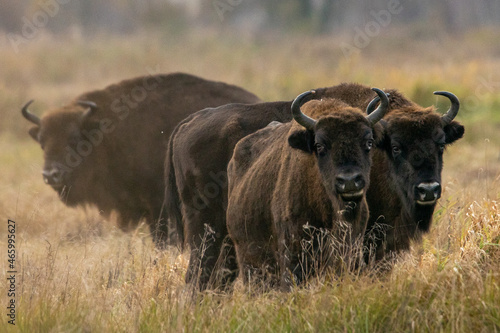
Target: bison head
[[414, 141], [341, 140], [67, 137]]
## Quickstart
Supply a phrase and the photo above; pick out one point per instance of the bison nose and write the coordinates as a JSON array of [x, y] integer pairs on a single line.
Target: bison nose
[[352, 183], [52, 177], [427, 193]]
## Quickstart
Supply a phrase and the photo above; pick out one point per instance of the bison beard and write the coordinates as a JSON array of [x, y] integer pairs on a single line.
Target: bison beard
[[107, 147]]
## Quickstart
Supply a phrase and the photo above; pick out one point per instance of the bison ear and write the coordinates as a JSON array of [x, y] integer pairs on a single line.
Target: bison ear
[[302, 139], [453, 131], [34, 132]]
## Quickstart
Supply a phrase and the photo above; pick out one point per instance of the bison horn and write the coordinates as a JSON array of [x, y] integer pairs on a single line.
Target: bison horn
[[91, 105], [28, 115], [380, 112], [453, 110], [297, 114], [371, 106]]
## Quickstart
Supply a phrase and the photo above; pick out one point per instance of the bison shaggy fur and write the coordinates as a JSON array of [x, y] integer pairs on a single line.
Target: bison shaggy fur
[[106, 148], [286, 183]]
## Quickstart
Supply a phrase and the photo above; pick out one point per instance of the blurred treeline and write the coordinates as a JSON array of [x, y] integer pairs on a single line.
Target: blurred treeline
[[251, 16]]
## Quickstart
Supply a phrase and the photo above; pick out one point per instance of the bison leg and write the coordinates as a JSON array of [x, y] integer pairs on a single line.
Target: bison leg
[[383, 240], [309, 253], [226, 267], [203, 260], [212, 263], [292, 270], [257, 264], [159, 233], [158, 226]]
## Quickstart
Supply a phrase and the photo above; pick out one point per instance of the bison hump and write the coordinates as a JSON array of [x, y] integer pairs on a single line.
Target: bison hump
[[253, 146]]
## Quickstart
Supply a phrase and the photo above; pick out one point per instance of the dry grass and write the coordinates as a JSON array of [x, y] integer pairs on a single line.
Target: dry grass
[[78, 272]]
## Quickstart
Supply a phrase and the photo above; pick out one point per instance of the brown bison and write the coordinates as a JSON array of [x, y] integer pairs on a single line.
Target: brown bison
[[407, 164], [199, 151], [196, 173], [312, 173], [107, 147], [406, 173]]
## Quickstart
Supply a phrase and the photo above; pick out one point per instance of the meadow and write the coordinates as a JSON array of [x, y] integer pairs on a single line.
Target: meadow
[[77, 272]]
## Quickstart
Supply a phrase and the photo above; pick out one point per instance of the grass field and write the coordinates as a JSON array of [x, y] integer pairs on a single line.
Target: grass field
[[77, 272]]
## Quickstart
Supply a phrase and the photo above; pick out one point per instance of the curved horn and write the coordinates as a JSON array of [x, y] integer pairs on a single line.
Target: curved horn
[[28, 115], [91, 105], [453, 110], [299, 117], [371, 107], [380, 112]]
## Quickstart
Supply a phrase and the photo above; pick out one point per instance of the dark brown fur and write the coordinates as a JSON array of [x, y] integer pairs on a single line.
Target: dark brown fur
[[384, 197], [196, 175], [275, 190], [196, 179], [395, 217], [121, 166]]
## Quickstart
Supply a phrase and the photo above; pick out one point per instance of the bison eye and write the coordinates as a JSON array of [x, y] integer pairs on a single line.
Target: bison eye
[[396, 150], [441, 148], [369, 145], [320, 149]]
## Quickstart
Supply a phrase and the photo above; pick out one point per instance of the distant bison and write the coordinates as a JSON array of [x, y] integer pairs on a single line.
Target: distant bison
[[199, 151], [107, 147], [311, 173]]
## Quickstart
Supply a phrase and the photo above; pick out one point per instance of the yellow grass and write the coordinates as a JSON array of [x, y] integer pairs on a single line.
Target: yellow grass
[[77, 272]]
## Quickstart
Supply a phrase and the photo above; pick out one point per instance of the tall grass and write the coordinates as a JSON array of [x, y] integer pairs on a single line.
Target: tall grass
[[79, 273]]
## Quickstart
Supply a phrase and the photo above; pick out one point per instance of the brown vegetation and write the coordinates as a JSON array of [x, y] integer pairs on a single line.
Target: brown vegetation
[[79, 272]]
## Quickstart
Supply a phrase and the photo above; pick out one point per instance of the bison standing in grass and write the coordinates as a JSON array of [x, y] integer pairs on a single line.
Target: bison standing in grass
[[288, 178], [196, 192], [406, 175], [199, 151], [406, 172], [107, 147]]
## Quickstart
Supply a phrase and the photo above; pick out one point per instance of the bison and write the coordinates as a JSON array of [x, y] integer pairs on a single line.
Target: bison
[[312, 173], [199, 151], [196, 191], [405, 181], [106, 148], [406, 173]]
